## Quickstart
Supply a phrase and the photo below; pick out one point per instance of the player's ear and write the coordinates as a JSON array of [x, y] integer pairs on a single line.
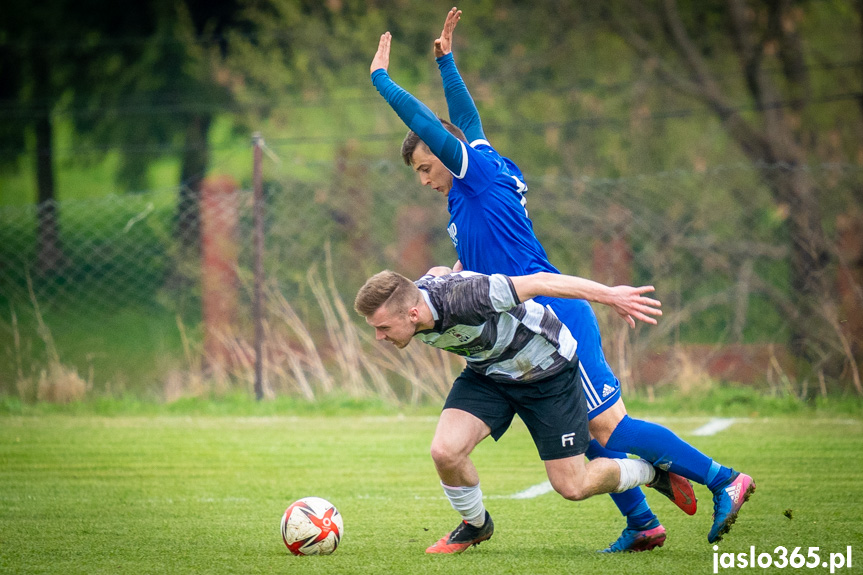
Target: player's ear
[[414, 314]]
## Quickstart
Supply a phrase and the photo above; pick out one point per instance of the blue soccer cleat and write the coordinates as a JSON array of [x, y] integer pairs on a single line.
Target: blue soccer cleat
[[727, 501], [634, 540]]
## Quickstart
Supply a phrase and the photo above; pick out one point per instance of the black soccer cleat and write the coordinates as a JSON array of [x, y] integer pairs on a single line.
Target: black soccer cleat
[[463, 537]]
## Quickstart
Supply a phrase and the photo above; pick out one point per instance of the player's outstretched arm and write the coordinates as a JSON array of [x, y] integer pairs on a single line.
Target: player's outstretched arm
[[416, 115], [462, 109], [443, 45], [381, 61], [629, 302]]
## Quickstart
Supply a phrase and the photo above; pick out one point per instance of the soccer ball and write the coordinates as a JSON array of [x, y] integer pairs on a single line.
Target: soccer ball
[[312, 526]]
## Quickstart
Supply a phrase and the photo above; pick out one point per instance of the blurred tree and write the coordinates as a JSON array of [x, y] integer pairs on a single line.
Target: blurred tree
[[52, 54], [172, 95], [764, 106], [135, 78]]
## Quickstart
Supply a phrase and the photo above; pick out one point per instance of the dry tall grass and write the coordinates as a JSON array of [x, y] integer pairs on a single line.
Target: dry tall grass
[[344, 358], [53, 381]]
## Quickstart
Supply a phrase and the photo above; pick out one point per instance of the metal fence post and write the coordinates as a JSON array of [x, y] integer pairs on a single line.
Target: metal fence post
[[258, 235]]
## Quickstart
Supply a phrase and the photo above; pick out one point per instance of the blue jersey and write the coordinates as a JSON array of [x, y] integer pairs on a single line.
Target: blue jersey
[[488, 225], [492, 233]]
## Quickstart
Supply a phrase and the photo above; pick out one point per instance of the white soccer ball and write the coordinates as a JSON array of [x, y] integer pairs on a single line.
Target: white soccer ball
[[312, 526]]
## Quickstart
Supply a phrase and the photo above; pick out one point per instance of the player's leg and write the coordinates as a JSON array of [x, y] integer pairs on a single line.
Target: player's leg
[[615, 431], [643, 530], [664, 448], [555, 412], [472, 412], [632, 504], [576, 480], [458, 433], [602, 389]]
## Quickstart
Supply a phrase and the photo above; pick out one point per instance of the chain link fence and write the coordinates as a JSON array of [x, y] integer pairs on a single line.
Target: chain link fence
[[101, 297]]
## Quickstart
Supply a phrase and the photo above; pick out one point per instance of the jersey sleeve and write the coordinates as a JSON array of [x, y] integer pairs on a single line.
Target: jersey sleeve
[[502, 292], [462, 109], [419, 118], [479, 298]]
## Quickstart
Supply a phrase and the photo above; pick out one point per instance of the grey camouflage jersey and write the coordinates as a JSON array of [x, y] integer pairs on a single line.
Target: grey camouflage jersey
[[480, 318]]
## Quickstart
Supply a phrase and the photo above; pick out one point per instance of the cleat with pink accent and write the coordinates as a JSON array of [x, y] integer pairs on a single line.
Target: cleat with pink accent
[[676, 488], [633, 540], [727, 501], [463, 536]]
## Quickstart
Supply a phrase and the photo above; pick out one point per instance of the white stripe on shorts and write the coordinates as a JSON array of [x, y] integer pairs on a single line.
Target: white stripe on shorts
[[593, 399]]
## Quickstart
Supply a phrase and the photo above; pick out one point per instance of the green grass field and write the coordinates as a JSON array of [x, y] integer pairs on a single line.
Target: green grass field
[[178, 494]]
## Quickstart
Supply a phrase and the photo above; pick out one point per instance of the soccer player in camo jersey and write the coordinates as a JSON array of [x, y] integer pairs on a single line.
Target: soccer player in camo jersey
[[520, 359], [492, 233]]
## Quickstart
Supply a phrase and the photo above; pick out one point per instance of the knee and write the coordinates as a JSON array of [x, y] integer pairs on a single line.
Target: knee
[[444, 456], [572, 491]]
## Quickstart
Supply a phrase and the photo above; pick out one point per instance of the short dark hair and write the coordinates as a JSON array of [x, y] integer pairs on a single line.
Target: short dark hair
[[412, 140]]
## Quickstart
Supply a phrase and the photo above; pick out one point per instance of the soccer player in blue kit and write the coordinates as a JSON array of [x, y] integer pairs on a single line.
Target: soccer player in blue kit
[[492, 233]]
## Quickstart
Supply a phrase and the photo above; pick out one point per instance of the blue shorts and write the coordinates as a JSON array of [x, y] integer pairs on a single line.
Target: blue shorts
[[601, 386]]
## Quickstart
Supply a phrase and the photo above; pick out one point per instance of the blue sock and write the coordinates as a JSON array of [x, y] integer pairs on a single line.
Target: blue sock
[[662, 447], [718, 476], [632, 503]]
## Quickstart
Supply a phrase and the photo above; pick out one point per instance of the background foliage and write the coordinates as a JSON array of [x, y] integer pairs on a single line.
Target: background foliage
[[599, 106]]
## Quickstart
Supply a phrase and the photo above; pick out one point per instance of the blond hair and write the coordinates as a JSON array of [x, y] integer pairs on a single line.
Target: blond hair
[[386, 288]]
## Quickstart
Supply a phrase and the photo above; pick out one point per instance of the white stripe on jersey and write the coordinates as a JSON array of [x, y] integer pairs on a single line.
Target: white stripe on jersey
[[479, 142], [536, 353], [500, 293], [568, 344], [533, 315], [506, 326], [463, 171], [521, 188]]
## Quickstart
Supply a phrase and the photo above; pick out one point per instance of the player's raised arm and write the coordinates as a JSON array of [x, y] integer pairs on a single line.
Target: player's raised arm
[[462, 109], [381, 61], [443, 45], [416, 115], [629, 302]]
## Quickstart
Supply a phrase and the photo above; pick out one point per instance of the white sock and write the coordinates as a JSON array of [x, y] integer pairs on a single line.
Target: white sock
[[468, 502], [633, 472]]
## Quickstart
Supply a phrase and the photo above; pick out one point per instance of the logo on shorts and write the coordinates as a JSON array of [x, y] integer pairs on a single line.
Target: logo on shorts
[[607, 390], [567, 439]]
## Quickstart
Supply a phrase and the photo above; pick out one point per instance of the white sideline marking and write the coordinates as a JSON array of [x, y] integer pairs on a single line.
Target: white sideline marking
[[533, 491], [714, 426]]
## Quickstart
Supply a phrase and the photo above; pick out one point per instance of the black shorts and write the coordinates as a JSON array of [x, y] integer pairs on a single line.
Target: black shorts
[[553, 409]]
